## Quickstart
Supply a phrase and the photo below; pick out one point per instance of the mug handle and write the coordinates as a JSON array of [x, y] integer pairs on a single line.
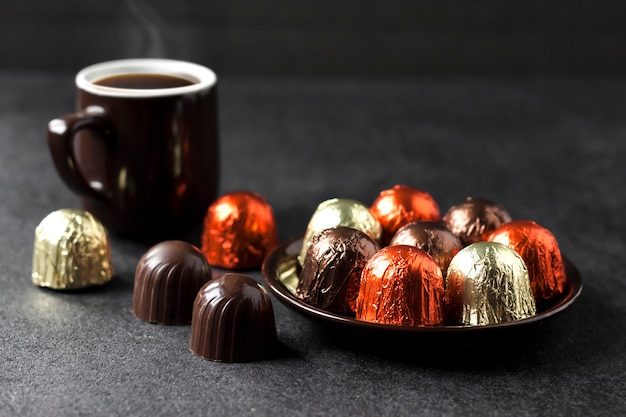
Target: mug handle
[[61, 134]]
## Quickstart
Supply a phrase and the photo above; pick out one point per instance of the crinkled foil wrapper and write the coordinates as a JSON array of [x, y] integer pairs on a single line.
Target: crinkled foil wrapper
[[239, 231], [400, 205], [331, 273], [71, 251], [431, 237], [401, 285], [488, 283], [540, 250], [473, 219], [340, 212]]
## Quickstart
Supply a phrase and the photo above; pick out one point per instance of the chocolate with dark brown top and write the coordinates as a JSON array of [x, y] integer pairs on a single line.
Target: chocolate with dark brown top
[[332, 267], [167, 279], [433, 238], [233, 320], [473, 219]]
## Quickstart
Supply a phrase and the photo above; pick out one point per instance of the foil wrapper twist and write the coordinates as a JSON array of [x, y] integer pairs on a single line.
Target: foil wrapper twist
[[340, 212], [71, 250], [488, 283]]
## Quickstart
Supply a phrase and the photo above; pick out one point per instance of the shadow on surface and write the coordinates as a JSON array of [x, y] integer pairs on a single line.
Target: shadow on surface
[[565, 339]]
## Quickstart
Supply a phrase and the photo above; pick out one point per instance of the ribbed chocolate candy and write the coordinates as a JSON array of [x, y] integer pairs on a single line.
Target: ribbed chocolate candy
[[540, 250], [433, 238], [331, 272], [167, 279], [233, 320], [473, 219], [487, 283], [71, 251], [400, 205], [401, 285]]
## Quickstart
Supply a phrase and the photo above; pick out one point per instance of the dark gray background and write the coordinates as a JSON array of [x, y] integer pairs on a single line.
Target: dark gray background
[[519, 102], [324, 37]]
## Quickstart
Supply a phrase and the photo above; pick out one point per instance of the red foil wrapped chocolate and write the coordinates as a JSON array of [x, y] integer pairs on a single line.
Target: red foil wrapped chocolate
[[239, 231], [401, 285], [400, 205], [540, 251]]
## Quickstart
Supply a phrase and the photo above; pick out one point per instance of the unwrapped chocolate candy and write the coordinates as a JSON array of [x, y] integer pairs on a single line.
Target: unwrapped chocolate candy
[[233, 320], [167, 280]]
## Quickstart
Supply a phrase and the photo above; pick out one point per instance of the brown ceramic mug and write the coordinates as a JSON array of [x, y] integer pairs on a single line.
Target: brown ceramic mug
[[142, 148]]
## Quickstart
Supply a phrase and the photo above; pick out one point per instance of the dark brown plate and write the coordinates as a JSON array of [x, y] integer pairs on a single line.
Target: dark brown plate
[[280, 271]]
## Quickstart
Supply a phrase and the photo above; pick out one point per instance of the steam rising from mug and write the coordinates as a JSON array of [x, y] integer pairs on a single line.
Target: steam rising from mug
[[154, 31]]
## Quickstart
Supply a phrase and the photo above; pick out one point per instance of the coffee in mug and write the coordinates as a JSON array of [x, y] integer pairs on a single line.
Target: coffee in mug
[[141, 149]]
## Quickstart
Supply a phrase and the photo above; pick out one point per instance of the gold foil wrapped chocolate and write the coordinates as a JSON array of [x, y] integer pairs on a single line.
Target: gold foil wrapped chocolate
[[540, 250], [71, 251], [431, 237], [488, 283], [340, 212], [400, 205], [473, 219], [401, 285]]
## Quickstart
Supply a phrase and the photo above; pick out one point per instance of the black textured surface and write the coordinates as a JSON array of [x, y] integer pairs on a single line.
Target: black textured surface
[[551, 150]]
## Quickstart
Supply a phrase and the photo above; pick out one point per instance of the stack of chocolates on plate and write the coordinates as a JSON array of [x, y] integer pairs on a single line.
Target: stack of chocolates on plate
[[399, 262]]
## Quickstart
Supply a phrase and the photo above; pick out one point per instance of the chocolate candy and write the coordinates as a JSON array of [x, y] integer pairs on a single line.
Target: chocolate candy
[[433, 238], [331, 272], [340, 212], [167, 279], [401, 285], [239, 231], [540, 250], [71, 251], [401, 205], [488, 283], [473, 219], [233, 320]]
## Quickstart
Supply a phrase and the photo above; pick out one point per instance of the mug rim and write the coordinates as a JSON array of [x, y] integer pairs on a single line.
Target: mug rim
[[201, 76]]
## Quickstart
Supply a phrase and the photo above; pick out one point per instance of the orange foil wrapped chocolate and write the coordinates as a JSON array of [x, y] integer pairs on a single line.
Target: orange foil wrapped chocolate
[[239, 231], [401, 285], [540, 251], [401, 205]]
